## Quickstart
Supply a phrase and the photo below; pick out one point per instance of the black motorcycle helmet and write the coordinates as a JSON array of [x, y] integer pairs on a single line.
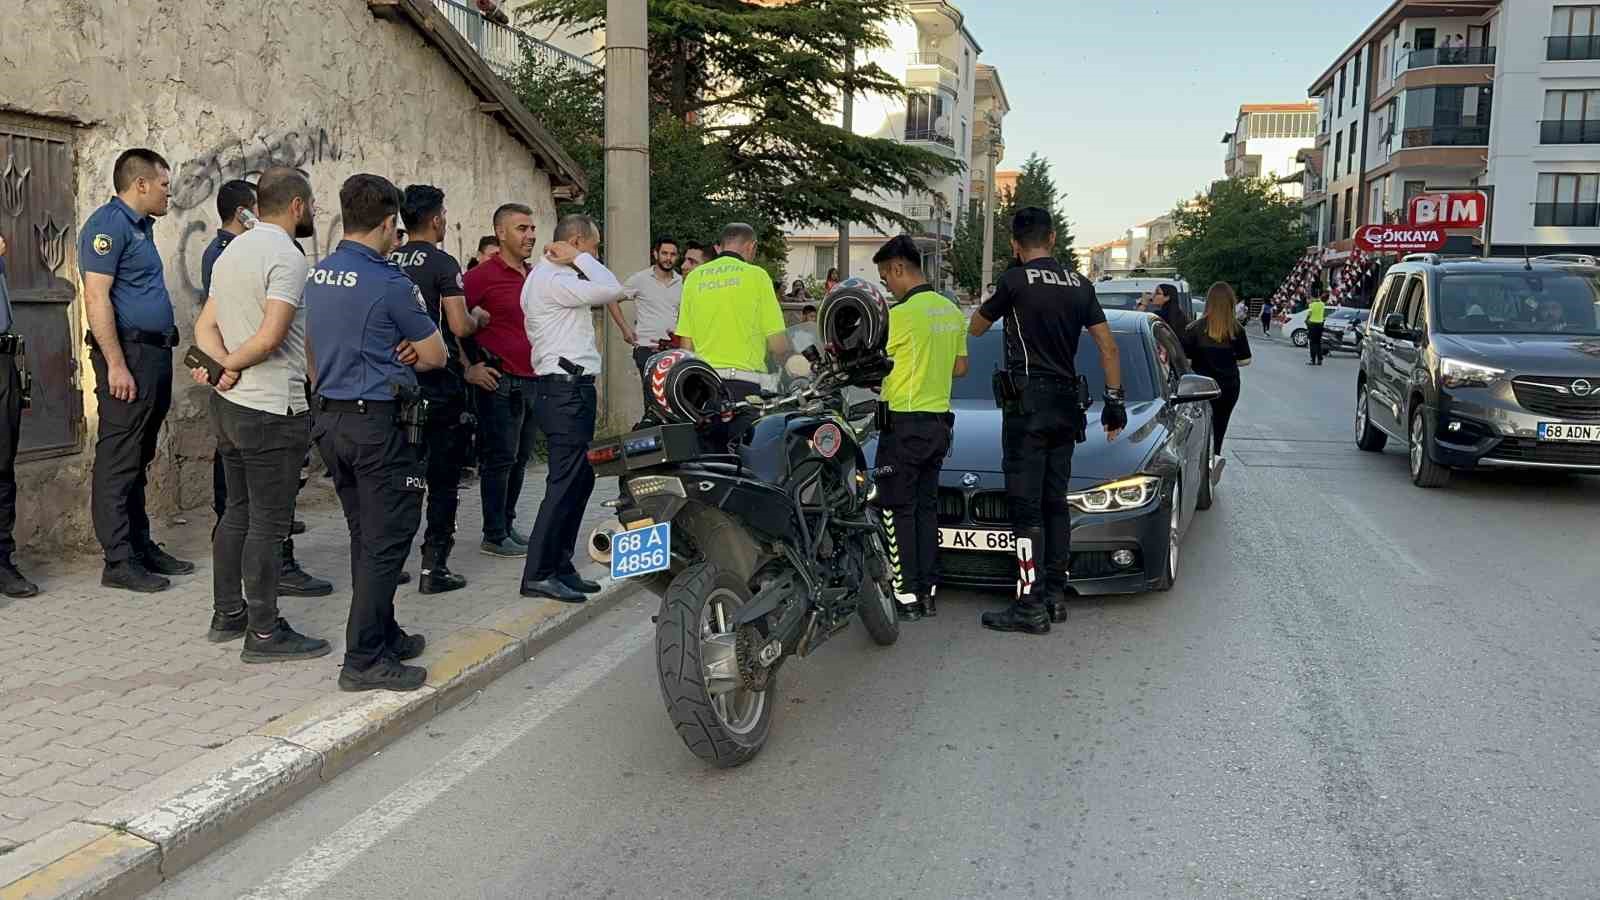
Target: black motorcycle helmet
[[853, 323], [683, 387]]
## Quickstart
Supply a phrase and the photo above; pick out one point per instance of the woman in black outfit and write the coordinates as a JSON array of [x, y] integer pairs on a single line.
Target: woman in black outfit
[[1164, 302], [1217, 347]]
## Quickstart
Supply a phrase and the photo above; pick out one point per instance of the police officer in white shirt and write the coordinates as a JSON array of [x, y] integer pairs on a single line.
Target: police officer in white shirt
[[558, 301], [660, 290]]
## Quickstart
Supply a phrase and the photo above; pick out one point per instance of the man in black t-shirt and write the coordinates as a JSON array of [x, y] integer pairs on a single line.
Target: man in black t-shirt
[[1046, 309], [438, 277]]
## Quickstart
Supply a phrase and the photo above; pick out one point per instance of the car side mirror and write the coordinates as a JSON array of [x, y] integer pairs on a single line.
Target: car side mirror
[[1195, 388], [1395, 328]]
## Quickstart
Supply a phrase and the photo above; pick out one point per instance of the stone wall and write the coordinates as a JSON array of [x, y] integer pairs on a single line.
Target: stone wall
[[223, 89]]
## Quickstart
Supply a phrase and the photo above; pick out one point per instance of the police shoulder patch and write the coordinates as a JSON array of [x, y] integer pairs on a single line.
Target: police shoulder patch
[[460, 282], [416, 294], [101, 244]]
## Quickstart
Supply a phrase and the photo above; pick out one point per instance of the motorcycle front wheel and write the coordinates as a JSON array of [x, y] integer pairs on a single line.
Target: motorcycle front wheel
[[719, 719]]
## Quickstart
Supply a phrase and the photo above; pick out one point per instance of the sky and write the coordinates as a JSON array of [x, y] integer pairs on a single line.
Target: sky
[[1129, 99]]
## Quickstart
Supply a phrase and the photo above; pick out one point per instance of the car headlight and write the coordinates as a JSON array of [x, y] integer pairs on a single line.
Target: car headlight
[[1453, 373], [1129, 493]]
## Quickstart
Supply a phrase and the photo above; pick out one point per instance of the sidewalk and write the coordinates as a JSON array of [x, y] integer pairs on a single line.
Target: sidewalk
[[104, 692]]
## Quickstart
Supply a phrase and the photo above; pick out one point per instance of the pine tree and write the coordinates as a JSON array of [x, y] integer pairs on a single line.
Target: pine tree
[[762, 86], [1035, 187]]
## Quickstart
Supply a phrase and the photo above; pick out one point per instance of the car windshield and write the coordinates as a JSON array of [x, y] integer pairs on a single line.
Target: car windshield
[[1555, 302], [1118, 299], [986, 354]]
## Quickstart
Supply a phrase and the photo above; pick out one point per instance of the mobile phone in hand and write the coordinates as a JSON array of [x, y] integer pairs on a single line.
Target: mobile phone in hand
[[198, 359]]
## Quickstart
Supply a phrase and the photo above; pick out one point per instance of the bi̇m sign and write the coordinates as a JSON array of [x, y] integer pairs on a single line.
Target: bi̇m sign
[[1456, 209]]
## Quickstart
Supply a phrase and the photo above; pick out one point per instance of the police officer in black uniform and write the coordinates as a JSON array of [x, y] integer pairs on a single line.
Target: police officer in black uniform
[[370, 333], [1045, 308], [447, 435]]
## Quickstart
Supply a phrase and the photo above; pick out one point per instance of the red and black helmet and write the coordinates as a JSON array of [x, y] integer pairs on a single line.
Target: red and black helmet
[[683, 387], [853, 321]]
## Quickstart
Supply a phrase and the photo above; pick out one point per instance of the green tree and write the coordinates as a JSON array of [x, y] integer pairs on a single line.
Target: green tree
[[1243, 231], [760, 86], [1036, 186]]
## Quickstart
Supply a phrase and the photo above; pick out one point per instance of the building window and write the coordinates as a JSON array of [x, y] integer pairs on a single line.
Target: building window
[[1446, 116], [1349, 211], [927, 118], [1338, 153], [966, 65], [1341, 89], [1413, 188], [1350, 148], [1355, 83], [827, 257], [1573, 33], [1333, 218], [1568, 201], [1570, 117]]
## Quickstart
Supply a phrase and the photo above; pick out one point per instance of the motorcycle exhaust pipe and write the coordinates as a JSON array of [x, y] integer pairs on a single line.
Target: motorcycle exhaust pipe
[[600, 544]]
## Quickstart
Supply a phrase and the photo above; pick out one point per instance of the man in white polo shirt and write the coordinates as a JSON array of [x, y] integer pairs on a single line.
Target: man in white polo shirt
[[255, 326], [655, 314]]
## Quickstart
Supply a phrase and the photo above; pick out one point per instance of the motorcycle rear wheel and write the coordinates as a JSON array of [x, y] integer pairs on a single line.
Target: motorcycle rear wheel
[[718, 719]]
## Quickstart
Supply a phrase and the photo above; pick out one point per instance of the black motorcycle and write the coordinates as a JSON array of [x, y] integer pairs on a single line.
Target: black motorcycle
[[778, 547]]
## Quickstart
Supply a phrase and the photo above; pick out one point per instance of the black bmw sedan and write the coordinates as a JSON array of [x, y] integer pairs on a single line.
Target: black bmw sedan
[[1132, 499]]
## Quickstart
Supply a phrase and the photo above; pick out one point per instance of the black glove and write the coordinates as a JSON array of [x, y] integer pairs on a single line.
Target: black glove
[[1113, 414]]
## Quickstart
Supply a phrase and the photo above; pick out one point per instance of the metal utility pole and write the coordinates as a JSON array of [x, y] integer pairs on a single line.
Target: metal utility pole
[[627, 144], [841, 256], [988, 210]]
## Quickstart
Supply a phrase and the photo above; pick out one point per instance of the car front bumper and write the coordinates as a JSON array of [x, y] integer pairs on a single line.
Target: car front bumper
[[1095, 537], [1488, 428]]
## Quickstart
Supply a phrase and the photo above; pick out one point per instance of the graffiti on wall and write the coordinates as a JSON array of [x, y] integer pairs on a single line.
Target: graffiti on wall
[[197, 181]]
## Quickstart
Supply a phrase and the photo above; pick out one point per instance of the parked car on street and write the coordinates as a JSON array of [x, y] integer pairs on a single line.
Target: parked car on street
[[1124, 293], [1133, 500], [1484, 363]]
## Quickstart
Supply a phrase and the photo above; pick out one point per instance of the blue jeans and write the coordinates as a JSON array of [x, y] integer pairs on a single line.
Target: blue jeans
[[506, 429]]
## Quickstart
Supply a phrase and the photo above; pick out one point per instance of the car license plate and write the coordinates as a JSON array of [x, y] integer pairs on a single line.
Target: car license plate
[[1560, 431], [641, 551], [976, 539]]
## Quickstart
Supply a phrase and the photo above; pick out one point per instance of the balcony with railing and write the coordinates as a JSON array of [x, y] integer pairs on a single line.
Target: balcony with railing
[[1569, 131], [1560, 48], [931, 220], [1449, 56], [933, 59], [1445, 136], [503, 47], [930, 136]]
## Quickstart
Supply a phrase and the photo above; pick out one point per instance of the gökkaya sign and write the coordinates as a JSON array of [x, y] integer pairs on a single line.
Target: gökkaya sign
[[1399, 238]]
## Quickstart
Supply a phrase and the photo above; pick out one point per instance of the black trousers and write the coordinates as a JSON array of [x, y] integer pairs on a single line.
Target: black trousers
[[10, 431], [444, 447], [1314, 341], [913, 447], [125, 448], [566, 412], [1038, 439], [261, 455], [380, 482], [507, 427], [1222, 411], [641, 356], [1266, 324]]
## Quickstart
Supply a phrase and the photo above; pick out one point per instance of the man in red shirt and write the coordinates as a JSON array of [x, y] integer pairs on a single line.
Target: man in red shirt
[[502, 375]]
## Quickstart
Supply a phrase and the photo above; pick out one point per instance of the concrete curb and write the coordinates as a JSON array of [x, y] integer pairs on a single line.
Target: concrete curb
[[132, 844]]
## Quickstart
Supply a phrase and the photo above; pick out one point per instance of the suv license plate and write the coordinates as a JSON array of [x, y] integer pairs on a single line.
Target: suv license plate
[[974, 539], [1560, 431]]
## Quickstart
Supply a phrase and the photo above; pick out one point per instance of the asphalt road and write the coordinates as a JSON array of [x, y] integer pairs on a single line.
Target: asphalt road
[[1357, 689]]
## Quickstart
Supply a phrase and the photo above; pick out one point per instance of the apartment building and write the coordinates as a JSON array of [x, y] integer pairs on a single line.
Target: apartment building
[[990, 107], [1266, 141], [937, 58], [1491, 94]]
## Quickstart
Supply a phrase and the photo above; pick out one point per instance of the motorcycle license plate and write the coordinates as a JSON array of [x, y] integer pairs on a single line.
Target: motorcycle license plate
[[1560, 431], [641, 551], [977, 539]]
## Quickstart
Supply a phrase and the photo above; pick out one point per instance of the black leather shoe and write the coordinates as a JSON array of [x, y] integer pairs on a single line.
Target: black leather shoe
[[1057, 610], [294, 581], [930, 605], [12, 584], [1012, 620], [505, 548], [909, 612], [517, 537], [440, 581], [552, 589], [130, 575], [297, 527], [385, 675], [284, 643], [579, 583], [161, 562], [226, 628], [405, 578], [410, 647]]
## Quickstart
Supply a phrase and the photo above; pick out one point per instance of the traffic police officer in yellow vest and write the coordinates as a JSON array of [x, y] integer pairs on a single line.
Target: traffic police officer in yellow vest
[[729, 317], [928, 343]]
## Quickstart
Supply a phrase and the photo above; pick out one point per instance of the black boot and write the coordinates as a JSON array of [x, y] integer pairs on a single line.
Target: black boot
[[930, 603], [1028, 619], [294, 581], [436, 577], [13, 583]]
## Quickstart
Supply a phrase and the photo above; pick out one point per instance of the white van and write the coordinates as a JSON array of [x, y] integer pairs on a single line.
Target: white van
[[1124, 293]]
